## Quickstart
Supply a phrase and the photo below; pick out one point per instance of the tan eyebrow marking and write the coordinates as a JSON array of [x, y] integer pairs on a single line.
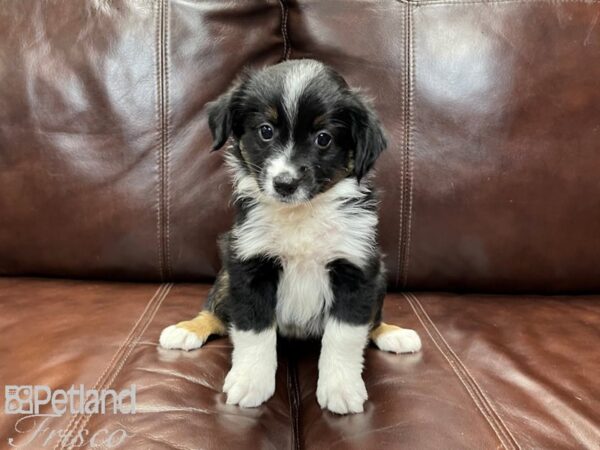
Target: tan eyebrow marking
[[319, 121], [272, 113]]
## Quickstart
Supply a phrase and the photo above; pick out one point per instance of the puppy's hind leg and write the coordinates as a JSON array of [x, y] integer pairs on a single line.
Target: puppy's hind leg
[[192, 334], [391, 338]]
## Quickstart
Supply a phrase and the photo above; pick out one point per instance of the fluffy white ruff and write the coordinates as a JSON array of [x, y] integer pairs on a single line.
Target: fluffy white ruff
[[340, 388], [174, 337], [251, 380], [401, 340], [322, 230]]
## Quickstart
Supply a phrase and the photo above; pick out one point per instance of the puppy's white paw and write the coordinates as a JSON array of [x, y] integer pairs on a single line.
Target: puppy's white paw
[[399, 340], [341, 395], [174, 337], [248, 388]]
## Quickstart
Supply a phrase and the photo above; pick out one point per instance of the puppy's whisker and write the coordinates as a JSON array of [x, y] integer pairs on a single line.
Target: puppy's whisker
[[250, 164], [253, 166]]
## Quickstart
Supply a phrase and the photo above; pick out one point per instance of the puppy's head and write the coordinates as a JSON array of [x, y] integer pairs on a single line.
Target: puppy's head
[[298, 129]]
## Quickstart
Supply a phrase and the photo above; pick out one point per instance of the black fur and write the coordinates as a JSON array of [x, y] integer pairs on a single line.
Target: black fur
[[253, 292], [357, 291], [367, 136]]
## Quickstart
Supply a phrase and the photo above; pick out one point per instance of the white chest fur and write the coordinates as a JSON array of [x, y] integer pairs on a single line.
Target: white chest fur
[[306, 238]]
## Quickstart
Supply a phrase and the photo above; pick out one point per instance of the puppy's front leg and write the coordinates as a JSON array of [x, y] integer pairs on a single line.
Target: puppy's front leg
[[251, 380], [340, 388], [253, 290]]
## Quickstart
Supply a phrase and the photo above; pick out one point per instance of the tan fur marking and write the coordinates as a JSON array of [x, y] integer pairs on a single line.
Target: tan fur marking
[[220, 288], [204, 325], [382, 329], [338, 176], [319, 121], [272, 113], [350, 167]]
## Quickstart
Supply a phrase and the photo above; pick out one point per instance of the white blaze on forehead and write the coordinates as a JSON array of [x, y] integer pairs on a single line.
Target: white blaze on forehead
[[297, 78]]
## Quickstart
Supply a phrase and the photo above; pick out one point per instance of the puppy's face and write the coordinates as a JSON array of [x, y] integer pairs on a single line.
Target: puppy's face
[[298, 129]]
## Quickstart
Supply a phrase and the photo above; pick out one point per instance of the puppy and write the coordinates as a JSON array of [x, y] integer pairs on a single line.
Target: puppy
[[302, 258]]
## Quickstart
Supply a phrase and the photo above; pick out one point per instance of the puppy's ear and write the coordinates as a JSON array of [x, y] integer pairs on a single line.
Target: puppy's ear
[[225, 111], [367, 135], [220, 119]]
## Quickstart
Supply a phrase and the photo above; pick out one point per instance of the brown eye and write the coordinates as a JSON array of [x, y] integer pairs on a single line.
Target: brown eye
[[265, 132], [323, 139]]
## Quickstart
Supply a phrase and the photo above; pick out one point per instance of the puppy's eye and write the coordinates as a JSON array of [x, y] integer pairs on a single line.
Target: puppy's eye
[[323, 139], [265, 131]]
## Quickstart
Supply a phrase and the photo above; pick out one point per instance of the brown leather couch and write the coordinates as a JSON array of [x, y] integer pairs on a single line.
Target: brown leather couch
[[491, 190]]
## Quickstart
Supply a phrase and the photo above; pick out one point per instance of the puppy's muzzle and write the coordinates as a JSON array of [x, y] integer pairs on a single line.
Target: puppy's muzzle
[[285, 184]]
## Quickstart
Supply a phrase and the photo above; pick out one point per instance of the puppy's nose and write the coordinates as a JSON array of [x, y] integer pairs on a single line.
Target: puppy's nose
[[285, 184]]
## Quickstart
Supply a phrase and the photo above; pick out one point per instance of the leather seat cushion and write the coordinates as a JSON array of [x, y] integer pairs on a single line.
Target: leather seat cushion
[[495, 371]]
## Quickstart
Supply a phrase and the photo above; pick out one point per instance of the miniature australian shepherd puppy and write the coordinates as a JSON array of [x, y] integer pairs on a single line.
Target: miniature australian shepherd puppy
[[302, 258]]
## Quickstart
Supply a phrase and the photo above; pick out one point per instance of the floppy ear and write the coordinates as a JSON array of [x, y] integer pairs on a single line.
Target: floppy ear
[[224, 114], [367, 136], [220, 119]]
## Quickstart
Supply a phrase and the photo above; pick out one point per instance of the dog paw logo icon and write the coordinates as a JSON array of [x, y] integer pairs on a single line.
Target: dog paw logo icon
[[18, 399]]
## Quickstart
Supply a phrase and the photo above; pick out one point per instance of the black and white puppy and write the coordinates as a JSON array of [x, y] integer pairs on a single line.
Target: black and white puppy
[[302, 258]]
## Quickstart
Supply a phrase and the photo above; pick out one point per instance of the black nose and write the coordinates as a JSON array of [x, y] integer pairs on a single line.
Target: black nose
[[285, 184]]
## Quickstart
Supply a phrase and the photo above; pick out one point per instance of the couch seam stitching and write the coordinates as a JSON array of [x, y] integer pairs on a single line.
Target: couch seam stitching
[[457, 373], [405, 213], [287, 48], [488, 402], [402, 149], [167, 131], [130, 346], [73, 422], [409, 153], [159, 152], [480, 400], [163, 188]]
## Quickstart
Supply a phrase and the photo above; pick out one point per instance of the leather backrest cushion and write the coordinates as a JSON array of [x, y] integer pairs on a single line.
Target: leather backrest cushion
[[492, 111], [105, 168], [492, 177]]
